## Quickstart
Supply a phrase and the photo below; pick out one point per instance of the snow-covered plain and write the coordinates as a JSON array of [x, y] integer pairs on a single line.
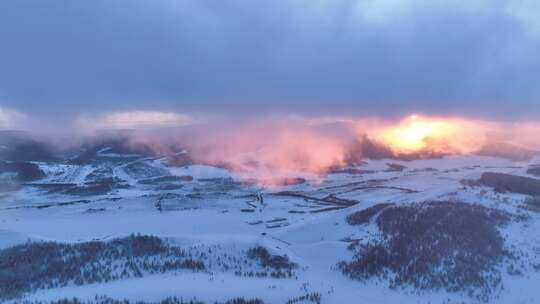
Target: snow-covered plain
[[215, 210]]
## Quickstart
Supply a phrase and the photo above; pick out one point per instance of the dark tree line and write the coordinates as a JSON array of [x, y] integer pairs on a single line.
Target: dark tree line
[[433, 245], [275, 266], [26, 268], [168, 300]]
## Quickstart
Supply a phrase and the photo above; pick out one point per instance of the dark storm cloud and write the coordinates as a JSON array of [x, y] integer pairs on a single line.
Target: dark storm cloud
[[309, 57]]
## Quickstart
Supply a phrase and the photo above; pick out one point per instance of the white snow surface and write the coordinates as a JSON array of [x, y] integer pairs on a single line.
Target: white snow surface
[[203, 214]]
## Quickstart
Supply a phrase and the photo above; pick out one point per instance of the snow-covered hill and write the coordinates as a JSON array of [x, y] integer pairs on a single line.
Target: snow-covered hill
[[423, 231]]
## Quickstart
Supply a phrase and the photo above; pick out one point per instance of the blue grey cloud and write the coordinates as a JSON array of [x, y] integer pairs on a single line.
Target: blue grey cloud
[[370, 57]]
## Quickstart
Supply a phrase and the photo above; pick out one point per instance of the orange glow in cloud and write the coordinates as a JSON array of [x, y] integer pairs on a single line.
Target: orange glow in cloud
[[270, 149], [417, 133], [426, 135]]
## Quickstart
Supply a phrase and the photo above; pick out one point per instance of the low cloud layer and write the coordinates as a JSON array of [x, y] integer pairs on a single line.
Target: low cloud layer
[[270, 147], [243, 58], [273, 145], [10, 119], [133, 120]]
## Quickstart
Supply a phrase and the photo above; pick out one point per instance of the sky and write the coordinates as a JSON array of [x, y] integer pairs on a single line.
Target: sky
[[111, 61]]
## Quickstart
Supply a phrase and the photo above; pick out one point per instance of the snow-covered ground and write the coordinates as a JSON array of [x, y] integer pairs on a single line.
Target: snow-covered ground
[[215, 210]]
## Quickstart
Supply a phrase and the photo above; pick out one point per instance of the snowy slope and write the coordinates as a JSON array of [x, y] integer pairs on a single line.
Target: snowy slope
[[215, 210]]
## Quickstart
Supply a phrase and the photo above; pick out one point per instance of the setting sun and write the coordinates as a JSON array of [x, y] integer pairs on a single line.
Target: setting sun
[[413, 134]]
